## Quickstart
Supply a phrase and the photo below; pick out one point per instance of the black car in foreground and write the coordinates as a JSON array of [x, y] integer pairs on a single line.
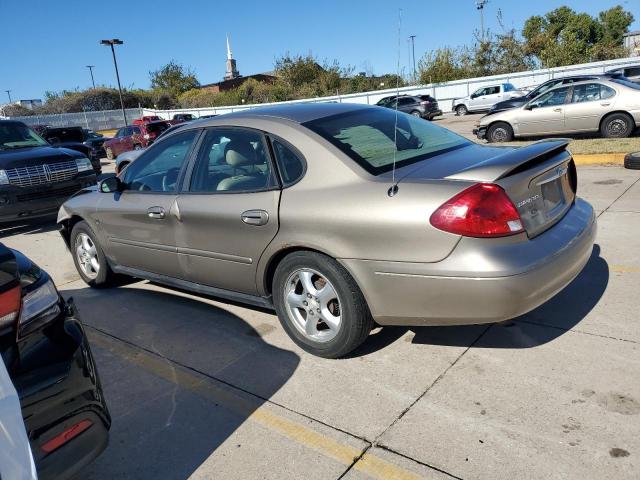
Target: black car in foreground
[[36, 177], [543, 87], [424, 106], [47, 355]]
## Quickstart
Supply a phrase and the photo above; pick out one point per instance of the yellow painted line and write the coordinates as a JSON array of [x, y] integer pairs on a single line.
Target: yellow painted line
[[598, 158], [624, 269], [251, 409]]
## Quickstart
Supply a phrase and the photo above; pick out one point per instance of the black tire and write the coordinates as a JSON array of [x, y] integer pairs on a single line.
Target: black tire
[[632, 161], [617, 125], [110, 155], [105, 276], [416, 113], [355, 319], [461, 110], [499, 132]]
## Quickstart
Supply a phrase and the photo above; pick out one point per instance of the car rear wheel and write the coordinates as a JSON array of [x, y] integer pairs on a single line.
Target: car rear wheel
[[461, 110], [617, 125], [110, 154], [500, 132], [88, 256], [416, 113], [632, 161], [320, 305]]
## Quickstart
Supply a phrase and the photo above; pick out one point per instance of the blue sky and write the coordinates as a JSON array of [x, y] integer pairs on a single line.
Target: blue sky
[[46, 44]]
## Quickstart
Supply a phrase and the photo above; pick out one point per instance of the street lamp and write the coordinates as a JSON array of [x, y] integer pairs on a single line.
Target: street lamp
[[9, 93], [91, 67], [111, 43]]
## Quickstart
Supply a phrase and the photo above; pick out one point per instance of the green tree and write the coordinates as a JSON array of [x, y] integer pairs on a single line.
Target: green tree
[[173, 79]]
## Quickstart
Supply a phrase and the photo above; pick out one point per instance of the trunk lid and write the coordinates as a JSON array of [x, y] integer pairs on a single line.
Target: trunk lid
[[540, 179]]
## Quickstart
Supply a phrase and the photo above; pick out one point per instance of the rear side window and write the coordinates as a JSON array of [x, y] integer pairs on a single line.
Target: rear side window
[[290, 164], [591, 92], [405, 101]]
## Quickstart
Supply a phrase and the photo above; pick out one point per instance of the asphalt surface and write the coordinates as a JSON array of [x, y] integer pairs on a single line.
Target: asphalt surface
[[202, 389]]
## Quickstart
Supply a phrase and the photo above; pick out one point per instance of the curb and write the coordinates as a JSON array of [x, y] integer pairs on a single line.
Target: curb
[[599, 158]]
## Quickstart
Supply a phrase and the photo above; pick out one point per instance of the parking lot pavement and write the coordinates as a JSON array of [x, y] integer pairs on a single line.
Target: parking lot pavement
[[202, 389], [462, 125]]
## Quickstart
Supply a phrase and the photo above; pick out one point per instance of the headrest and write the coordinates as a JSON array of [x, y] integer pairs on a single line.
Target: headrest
[[238, 153]]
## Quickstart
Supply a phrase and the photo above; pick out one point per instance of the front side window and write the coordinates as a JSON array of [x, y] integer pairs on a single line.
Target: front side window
[[405, 101], [157, 169], [479, 92], [550, 99], [232, 160], [367, 136], [493, 90], [18, 135]]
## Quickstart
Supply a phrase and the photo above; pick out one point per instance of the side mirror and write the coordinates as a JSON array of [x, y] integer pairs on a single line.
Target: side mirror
[[111, 185], [529, 107]]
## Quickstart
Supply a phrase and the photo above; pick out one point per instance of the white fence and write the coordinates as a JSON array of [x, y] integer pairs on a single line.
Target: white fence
[[102, 120], [444, 92]]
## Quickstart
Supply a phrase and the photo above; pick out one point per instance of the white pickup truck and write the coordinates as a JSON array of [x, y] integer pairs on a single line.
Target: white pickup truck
[[484, 97]]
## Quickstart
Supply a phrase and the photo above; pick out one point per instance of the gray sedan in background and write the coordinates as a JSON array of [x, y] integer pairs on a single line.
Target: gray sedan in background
[[608, 106], [339, 217]]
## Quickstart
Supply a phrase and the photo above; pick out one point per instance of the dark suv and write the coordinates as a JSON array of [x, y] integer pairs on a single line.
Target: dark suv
[[35, 177], [540, 89], [424, 106], [47, 355], [76, 138]]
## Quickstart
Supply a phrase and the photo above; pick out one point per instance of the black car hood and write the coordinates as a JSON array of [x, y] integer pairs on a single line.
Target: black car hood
[[511, 103], [26, 157]]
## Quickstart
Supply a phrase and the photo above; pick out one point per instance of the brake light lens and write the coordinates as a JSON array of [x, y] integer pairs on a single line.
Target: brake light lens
[[64, 437], [425, 102], [483, 210], [10, 302]]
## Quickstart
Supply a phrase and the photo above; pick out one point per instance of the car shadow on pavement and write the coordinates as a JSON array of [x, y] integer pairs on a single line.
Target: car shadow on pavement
[[168, 364], [561, 313], [29, 227]]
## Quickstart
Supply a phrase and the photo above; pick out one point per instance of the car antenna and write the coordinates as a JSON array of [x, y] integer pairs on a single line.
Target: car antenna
[[394, 186]]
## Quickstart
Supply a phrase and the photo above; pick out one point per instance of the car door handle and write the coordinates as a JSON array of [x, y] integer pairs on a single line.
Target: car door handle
[[255, 217], [605, 104], [155, 212], [557, 109]]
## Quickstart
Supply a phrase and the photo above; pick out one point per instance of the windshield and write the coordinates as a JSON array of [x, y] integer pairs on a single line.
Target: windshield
[[157, 127], [367, 136], [18, 135]]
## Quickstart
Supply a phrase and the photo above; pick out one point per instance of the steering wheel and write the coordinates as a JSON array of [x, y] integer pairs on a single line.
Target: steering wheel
[[169, 180]]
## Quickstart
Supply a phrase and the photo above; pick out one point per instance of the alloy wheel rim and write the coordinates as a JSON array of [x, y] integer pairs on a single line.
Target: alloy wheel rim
[[312, 305], [617, 127], [87, 255]]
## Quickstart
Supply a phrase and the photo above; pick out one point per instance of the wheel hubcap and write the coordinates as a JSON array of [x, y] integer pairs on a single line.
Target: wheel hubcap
[[617, 127], [87, 255], [312, 305], [499, 134]]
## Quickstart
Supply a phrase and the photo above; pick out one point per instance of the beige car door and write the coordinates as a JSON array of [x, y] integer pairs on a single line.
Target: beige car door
[[544, 114], [589, 102]]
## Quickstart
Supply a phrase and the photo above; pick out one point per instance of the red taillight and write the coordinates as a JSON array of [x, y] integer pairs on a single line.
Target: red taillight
[[62, 438], [483, 210], [425, 102], [10, 305]]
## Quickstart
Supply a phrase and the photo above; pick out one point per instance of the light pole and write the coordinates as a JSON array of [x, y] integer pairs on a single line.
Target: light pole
[[111, 43], [91, 67], [413, 54], [9, 93], [480, 6]]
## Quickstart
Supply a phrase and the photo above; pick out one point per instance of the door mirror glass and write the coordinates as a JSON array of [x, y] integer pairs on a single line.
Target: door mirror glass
[[110, 185]]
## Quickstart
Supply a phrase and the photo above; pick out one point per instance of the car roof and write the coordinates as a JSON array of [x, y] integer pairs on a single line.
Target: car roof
[[298, 112]]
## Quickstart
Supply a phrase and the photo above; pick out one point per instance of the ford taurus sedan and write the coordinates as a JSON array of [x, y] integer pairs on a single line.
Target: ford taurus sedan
[[609, 106], [339, 217]]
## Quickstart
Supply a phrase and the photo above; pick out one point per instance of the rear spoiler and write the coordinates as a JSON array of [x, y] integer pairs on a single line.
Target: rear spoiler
[[513, 161]]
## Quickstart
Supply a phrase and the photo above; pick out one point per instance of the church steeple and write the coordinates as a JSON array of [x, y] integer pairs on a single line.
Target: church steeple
[[232, 71]]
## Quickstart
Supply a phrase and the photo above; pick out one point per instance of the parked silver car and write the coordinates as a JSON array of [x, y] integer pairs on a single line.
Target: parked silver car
[[611, 107], [339, 216]]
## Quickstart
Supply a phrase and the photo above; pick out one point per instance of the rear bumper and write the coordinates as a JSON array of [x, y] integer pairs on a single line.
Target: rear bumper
[[18, 203], [59, 387], [481, 281]]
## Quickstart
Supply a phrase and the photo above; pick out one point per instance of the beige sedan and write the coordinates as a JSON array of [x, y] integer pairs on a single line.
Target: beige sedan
[[611, 107]]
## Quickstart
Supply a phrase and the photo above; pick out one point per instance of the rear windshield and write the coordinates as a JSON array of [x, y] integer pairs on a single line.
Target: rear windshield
[[626, 82], [18, 135], [157, 127], [428, 98], [508, 87], [64, 134], [367, 136]]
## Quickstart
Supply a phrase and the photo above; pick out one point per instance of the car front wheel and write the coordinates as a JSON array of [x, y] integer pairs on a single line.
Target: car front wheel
[[88, 256], [461, 110], [320, 305], [499, 132]]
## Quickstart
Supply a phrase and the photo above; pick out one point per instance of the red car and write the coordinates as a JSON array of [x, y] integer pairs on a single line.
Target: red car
[[146, 119], [134, 137]]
